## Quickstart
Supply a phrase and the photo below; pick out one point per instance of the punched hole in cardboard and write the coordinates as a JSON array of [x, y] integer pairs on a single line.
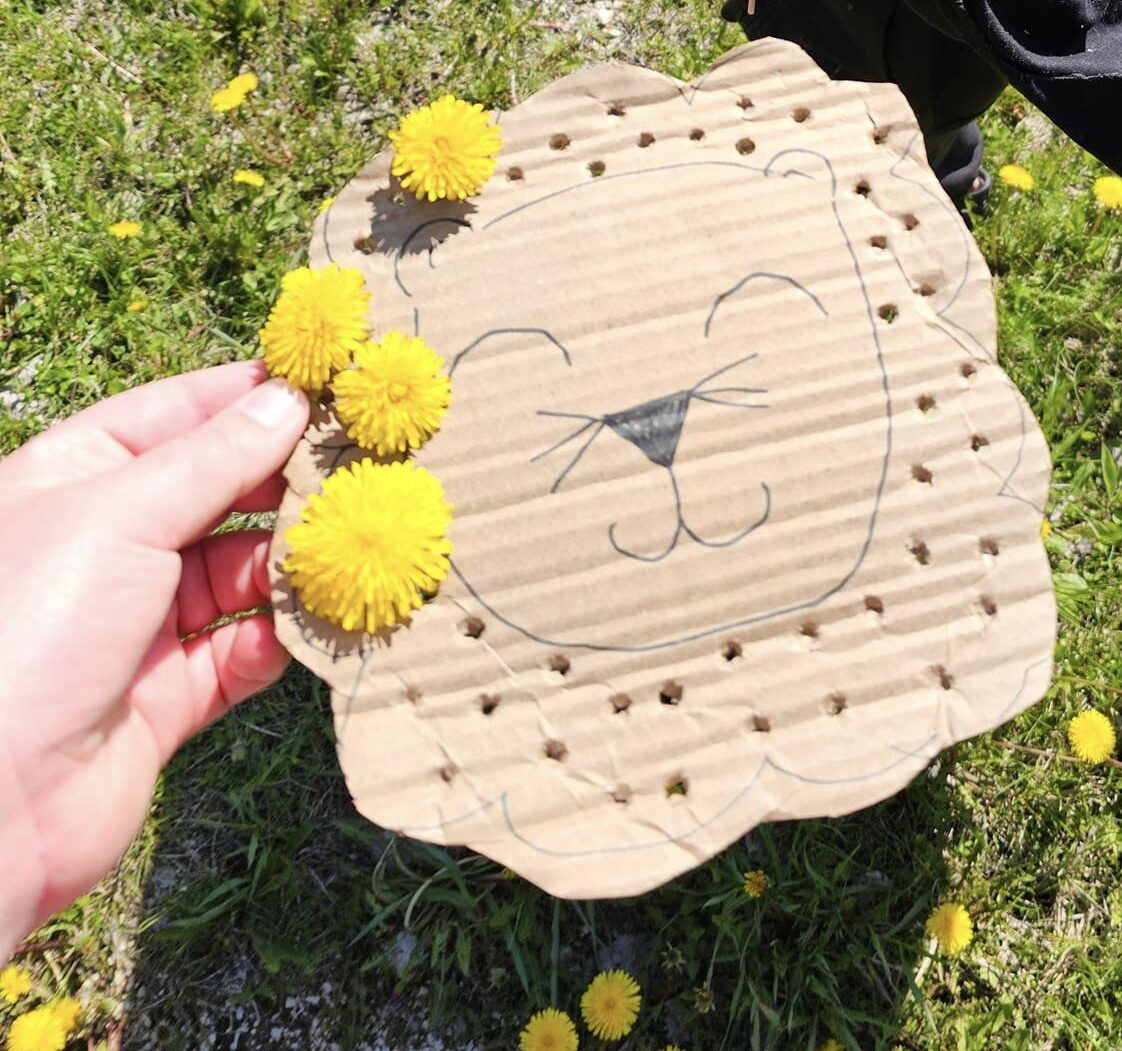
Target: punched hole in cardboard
[[967, 370], [488, 702], [447, 772], [744, 102], [616, 110], [988, 606], [863, 189], [620, 703], [745, 146], [920, 552], [926, 290], [472, 627], [910, 221], [879, 241], [412, 694], [559, 664], [622, 794], [925, 403], [800, 115], [888, 313], [836, 703], [874, 604], [922, 474], [808, 630], [989, 546], [944, 677], [646, 139], [732, 651], [677, 786], [671, 693], [515, 174], [560, 141], [555, 750], [596, 168], [880, 136], [697, 135], [761, 724], [978, 442]]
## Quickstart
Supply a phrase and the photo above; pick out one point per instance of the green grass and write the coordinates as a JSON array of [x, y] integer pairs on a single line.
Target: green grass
[[254, 887]]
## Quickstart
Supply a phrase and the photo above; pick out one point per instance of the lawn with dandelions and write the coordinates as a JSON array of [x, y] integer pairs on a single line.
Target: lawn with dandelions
[[161, 172]]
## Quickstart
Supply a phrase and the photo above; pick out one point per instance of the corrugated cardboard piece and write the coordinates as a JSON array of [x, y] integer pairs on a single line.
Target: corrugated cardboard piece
[[747, 517]]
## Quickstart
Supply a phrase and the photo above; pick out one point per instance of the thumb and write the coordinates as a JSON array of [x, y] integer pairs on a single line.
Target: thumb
[[173, 493]]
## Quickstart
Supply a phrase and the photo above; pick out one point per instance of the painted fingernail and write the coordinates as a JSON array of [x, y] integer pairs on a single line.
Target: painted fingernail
[[275, 404]]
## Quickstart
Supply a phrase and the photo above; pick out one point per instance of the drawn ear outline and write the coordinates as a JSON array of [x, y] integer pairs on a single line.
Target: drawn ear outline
[[409, 240], [527, 330], [823, 163], [754, 276]]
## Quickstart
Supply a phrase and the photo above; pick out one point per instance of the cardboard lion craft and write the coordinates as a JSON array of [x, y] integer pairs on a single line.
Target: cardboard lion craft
[[746, 515]]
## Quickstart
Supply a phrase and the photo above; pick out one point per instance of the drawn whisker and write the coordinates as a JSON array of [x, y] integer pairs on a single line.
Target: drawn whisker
[[564, 441], [730, 404], [731, 390], [722, 371], [580, 452], [569, 415]]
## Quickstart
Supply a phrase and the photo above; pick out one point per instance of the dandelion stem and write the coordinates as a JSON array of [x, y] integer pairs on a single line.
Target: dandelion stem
[[1047, 754]]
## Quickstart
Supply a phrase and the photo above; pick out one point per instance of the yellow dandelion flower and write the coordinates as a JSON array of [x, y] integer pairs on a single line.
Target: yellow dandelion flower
[[243, 83], [38, 1030], [1017, 177], [755, 883], [446, 149], [1045, 529], [67, 1011], [316, 325], [125, 228], [15, 982], [368, 547], [549, 1030], [137, 305], [395, 397], [832, 1045], [226, 99], [703, 999], [671, 1047], [610, 1005], [1092, 736], [249, 177], [951, 927], [1108, 192], [326, 203]]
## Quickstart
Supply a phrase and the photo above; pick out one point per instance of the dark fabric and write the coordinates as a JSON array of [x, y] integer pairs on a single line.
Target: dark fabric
[[952, 57]]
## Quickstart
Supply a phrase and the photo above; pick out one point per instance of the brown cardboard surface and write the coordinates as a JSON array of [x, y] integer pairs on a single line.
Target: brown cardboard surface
[[746, 515]]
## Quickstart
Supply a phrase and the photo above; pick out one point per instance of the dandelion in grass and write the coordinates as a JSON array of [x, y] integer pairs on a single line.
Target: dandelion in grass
[[224, 100], [1045, 529], [368, 546], [248, 177], [1017, 177], [755, 883], [316, 326], [67, 1011], [395, 397], [950, 926], [446, 149], [610, 1005], [326, 203], [703, 999], [124, 229], [137, 305], [549, 1030], [1092, 737], [38, 1030], [1108, 192], [243, 83], [15, 982], [671, 1047], [832, 1045]]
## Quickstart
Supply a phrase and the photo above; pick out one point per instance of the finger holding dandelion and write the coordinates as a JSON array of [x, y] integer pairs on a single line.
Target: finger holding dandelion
[[610, 1005], [445, 150], [549, 1030], [951, 928]]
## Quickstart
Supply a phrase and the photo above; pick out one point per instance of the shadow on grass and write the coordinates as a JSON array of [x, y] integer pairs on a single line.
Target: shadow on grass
[[279, 918]]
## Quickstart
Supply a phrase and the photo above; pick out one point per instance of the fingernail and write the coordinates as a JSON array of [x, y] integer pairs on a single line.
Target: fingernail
[[275, 404]]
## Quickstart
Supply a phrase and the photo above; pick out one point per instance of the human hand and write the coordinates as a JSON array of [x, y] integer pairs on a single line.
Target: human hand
[[105, 567]]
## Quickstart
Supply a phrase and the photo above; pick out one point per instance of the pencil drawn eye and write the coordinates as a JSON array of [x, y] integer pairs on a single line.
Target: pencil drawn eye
[[655, 428]]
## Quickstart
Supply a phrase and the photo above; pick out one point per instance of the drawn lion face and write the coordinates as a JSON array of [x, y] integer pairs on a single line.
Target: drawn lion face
[[746, 518]]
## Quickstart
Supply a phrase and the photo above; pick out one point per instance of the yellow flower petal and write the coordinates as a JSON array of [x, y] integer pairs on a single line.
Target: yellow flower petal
[[549, 1030], [243, 83], [317, 325], [611, 1004], [226, 99], [125, 228], [1092, 736], [370, 545], [1108, 192], [15, 982], [67, 1011], [38, 1030], [1017, 177], [1045, 529], [446, 149], [755, 883], [249, 177], [137, 305], [950, 925], [395, 397], [326, 203]]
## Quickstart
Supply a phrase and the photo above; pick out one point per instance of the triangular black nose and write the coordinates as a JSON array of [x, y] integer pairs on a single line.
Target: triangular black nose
[[653, 427]]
